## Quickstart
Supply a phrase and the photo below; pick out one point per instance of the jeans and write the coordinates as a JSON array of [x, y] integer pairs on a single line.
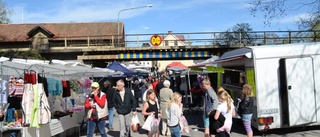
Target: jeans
[[110, 117], [11, 115], [92, 126], [246, 117], [175, 131]]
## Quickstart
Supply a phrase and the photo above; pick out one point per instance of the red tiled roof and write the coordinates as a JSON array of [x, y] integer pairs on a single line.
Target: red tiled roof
[[19, 32]]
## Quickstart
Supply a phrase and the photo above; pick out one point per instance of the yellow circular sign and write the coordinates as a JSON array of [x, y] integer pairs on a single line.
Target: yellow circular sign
[[155, 40]]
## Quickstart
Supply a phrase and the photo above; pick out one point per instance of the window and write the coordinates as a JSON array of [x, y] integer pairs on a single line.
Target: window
[[175, 43], [166, 43], [234, 77]]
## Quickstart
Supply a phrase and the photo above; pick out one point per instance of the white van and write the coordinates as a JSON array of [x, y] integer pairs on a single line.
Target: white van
[[286, 82]]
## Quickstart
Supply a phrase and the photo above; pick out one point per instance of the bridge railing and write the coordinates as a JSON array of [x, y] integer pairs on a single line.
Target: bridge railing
[[230, 38], [194, 39]]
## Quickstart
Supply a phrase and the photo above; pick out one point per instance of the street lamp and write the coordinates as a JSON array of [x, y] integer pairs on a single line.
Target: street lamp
[[147, 6]]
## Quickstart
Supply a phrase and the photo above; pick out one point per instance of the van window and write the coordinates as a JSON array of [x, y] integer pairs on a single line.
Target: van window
[[234, 77]]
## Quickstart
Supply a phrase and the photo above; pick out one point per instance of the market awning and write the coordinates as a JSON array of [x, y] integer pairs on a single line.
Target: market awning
[[54, 68], [235, 54], [208, 62]]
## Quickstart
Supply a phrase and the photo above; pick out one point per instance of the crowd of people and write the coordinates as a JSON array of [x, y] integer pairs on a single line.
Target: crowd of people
[[160, 100]]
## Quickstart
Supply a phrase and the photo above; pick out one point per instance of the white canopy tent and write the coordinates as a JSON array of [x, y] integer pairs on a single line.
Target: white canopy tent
[[53, 68]]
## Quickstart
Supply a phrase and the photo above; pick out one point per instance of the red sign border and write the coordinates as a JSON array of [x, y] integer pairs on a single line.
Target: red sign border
[[154, 36]]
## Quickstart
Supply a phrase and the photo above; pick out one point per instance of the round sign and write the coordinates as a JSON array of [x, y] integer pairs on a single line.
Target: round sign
[[155, 40]]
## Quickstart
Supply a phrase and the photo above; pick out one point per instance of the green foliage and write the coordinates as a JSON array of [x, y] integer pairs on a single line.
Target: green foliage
[[30, 54], [4, 13], [241, 33]]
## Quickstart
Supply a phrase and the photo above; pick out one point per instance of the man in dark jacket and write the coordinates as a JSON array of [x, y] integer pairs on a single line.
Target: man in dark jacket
[[136, 89], [109, 91], [124, 102], [160, 85]]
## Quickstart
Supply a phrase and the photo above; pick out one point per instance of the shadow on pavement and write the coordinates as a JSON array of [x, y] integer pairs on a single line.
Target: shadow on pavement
[[113, 133]]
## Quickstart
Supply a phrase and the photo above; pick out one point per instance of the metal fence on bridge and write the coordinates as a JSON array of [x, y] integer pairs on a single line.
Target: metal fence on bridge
[[198, 39], [231, 38]]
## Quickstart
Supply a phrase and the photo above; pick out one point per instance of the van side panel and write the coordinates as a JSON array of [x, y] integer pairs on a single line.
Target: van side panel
[[267, 86], [300, 88], [316, 63]]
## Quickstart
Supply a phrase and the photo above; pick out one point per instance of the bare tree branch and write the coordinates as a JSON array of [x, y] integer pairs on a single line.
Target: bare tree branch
[[4, 13], [276, 9]]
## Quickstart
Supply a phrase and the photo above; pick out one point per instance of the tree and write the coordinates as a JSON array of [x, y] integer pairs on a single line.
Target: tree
[[275, 9], [30, 54], [4, 13], [239, 33]]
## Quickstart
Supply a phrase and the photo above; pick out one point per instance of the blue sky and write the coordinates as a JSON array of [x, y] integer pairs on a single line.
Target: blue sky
[[179, 16]]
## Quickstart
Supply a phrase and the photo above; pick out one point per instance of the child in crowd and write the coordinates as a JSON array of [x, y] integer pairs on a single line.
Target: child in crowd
[[151, 107], [226, 108], [174, 112], [246, 108]]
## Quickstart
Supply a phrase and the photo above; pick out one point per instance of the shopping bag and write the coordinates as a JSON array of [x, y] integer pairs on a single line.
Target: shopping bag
[[147, 123], [184, 124], [154, 125], [135, 124]]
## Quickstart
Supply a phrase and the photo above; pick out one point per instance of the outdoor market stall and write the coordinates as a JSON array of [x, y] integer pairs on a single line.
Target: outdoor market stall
[[55, 70]]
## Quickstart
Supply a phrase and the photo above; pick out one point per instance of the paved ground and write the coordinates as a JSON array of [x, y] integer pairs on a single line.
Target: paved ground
[[194, 120], [195, 123], [197, 130]]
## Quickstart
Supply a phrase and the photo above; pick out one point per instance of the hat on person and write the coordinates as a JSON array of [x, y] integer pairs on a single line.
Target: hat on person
[[95, 85]]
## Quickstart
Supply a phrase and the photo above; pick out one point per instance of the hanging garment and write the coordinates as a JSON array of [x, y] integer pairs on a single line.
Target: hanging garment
[[27, 103], [27, 76], [66, 89], [44, 113], [4, 93], [54, 86], [43, 80], [30, 77], [34, 121]]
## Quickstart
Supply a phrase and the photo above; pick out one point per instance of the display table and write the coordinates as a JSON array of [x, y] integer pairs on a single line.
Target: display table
[[55, 127]]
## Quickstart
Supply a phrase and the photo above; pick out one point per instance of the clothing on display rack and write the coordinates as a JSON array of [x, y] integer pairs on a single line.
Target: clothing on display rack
[[66, 88], [41, 112], [34, 103], [30, 77], [27, 103], [3, 92], [54, 86], [42, 79]]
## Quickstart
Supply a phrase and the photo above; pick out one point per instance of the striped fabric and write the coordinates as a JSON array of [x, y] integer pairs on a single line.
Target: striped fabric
[[159, 54]]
